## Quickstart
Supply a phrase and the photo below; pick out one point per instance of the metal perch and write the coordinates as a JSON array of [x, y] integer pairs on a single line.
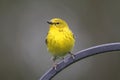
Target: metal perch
[[81, 55]]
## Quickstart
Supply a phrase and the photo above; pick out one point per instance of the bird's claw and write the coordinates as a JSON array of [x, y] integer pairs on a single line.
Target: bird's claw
[[73, 56], [55, 66]]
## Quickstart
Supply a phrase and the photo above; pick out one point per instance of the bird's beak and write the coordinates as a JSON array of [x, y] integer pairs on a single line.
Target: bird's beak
[[49, 22]]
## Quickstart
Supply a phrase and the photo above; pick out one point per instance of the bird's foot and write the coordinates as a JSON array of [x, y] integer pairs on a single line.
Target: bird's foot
[[55, 66], [72, 55]]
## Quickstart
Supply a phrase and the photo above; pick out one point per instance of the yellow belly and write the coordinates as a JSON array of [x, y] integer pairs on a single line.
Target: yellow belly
[[60, 44]]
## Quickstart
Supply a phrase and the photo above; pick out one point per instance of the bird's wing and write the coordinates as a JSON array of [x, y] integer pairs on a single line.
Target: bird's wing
[[46, 41]]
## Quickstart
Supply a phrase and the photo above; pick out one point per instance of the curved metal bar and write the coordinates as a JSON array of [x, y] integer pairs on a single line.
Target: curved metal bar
[[81, 55]]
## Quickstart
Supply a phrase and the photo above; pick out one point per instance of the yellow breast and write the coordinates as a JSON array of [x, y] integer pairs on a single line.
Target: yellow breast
[[60, 42]]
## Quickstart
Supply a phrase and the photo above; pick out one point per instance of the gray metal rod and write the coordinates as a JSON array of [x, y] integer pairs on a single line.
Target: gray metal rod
[[81, 55]]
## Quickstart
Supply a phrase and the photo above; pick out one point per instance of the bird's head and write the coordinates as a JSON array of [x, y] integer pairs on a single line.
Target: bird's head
[[57, 22]]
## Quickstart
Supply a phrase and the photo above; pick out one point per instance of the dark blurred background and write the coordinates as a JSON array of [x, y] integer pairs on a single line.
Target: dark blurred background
[[23, 27]]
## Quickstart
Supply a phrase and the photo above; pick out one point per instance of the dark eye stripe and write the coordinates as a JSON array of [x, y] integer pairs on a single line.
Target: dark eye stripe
[[57, 23]]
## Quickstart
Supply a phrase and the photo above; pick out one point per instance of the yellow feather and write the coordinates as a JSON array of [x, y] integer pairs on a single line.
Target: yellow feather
[[60, 39]]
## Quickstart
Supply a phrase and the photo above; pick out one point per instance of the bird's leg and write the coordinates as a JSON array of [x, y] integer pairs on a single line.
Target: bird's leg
[[72, 55], [63, 59], [54, 63]]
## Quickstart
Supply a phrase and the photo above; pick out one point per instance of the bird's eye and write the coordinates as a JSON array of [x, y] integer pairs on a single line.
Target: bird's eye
[[57, 23]]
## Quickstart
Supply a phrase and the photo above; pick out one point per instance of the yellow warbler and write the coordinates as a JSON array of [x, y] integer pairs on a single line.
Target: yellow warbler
[[60, 39]]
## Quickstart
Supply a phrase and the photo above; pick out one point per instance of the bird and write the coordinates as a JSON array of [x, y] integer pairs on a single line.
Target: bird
[[59, 40]]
